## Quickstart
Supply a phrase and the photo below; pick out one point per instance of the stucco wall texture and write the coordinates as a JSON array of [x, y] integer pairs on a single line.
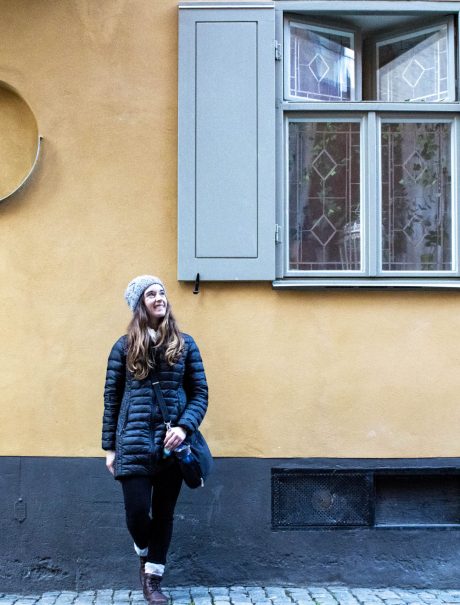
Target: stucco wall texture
[[304, 373]]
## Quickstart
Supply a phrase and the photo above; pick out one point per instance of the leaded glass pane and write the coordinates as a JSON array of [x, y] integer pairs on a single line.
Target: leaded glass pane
[[324, 196], [414, 67], [416, 197], [322, 63]]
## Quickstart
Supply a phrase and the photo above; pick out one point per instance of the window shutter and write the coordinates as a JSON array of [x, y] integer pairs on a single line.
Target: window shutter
[[226, 167]]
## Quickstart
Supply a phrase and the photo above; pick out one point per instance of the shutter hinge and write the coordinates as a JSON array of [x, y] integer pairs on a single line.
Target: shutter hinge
[[278, 234], [277, 51]]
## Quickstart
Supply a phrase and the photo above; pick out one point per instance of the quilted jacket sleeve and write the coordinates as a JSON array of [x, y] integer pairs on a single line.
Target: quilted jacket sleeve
[[113, 393], [196, 389]]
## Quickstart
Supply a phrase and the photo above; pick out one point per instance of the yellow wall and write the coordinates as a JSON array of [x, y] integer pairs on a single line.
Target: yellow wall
[[350, 373]]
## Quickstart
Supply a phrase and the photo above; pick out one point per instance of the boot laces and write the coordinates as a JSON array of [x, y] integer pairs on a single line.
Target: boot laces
[[153, 582]]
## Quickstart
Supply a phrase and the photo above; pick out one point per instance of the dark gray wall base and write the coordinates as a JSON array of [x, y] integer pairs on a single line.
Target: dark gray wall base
[[68, 532]]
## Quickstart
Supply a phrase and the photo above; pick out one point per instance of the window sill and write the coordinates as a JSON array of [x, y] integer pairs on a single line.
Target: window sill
[[375, 283], [380, 106]]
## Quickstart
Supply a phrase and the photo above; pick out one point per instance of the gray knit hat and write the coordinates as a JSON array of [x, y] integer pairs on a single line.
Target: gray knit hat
[[137, 287]]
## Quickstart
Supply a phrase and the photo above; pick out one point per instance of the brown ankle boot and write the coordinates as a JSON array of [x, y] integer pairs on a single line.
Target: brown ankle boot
[[143, 561], [152, 590]]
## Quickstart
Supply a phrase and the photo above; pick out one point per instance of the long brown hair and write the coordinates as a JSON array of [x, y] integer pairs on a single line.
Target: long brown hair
[[140, 356]]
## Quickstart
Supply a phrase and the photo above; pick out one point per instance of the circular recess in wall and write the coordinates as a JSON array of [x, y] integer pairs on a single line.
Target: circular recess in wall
[[19, 140]]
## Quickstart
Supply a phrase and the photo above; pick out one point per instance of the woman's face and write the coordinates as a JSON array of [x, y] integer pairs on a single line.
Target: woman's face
[[156, 303]]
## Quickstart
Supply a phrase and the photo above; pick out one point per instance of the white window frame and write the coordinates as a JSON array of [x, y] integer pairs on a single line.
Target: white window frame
[[359, 119], [383, 39], [339, 31], [372, 113], [454, 140]]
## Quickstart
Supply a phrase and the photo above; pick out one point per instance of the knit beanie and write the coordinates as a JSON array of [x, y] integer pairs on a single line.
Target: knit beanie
[[137, 287]]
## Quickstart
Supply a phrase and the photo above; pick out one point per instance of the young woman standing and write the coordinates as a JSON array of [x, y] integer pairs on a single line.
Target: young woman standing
[[134, 435]]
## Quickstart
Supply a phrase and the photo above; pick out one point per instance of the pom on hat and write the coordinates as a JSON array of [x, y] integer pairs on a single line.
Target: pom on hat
[[137, 287]]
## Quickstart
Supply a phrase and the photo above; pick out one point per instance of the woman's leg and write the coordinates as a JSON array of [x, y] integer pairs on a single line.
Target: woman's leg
[[137, 493], [166, 488]]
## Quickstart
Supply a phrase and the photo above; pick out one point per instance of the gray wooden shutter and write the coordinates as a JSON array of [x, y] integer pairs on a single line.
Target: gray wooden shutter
[[226, 165]]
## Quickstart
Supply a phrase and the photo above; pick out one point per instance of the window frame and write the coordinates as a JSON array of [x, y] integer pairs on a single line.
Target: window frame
[[336, 117], [454, 164], [417, 30], [329, 27], [371, 113]]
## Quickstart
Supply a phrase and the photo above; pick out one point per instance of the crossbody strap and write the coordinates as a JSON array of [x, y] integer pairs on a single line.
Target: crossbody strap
[[161, 403]]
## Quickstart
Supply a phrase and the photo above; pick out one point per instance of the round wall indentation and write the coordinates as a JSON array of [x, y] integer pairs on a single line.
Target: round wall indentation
[[19, 140]]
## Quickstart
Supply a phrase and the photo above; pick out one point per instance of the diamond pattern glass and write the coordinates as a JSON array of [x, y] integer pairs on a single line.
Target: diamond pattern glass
[[414, 67], [324, 196], [322, 63], [416, 197]]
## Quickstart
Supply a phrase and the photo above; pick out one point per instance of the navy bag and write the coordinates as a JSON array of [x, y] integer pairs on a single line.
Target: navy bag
[[194, 457]]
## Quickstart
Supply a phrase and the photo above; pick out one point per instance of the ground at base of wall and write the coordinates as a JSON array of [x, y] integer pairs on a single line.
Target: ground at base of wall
[[247, 595]]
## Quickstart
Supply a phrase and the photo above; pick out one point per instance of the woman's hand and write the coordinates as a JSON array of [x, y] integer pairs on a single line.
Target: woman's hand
[[174, 437], [110, 461]]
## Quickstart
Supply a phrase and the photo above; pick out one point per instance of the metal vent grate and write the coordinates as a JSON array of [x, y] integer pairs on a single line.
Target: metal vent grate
[[305, 499]]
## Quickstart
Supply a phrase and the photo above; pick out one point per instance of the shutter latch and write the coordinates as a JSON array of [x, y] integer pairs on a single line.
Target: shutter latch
[[196, 290], [277, 51]]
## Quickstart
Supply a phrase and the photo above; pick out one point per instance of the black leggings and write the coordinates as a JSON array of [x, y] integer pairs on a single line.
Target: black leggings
[[157, 494]]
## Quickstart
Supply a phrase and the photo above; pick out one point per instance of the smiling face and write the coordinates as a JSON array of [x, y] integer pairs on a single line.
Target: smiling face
[[156, 303]]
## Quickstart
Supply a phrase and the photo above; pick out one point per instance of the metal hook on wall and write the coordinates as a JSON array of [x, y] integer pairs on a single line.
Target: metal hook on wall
[[196, 289]]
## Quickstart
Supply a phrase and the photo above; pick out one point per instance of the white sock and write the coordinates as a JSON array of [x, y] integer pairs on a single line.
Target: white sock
[[142, 552], [156, 568]]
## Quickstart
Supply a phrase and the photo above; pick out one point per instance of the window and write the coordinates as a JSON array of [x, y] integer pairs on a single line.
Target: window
[[320, 63], [330, 159], [325, 194], [368, 129], [417, 66]]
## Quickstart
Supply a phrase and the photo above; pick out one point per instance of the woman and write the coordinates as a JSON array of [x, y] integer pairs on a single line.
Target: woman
[[139, 448]]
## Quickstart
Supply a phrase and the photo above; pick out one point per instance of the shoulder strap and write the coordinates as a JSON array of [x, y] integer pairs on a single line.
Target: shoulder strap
[[161, 401]]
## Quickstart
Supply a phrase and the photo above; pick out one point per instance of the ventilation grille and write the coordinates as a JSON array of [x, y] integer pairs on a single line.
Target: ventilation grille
[[305, 499]]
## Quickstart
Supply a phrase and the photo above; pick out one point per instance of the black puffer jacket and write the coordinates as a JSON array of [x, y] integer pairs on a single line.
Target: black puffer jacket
[[132, 424]]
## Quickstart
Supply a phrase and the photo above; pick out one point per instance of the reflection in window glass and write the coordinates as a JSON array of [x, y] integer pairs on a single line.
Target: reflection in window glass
[[416, 197], [414, 67], [324, 196], [322, 64]]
